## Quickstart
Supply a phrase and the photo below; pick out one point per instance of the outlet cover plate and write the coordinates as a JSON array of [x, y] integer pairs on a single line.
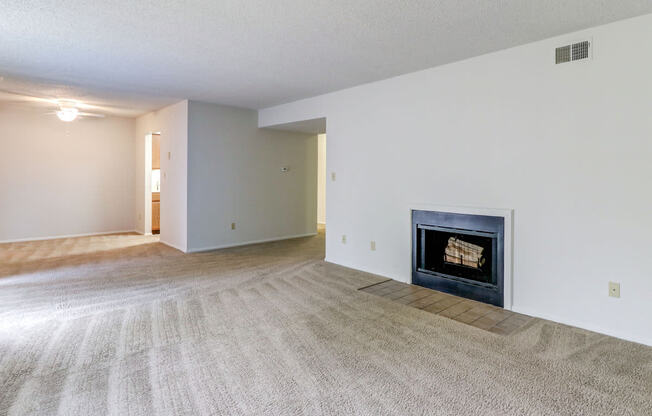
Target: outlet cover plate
[[614, 289]]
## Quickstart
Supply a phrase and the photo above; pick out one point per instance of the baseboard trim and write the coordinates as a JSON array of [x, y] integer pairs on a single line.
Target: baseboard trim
[[56, 237], [246, 243], [582, 325], [183, 250], [366, 270]]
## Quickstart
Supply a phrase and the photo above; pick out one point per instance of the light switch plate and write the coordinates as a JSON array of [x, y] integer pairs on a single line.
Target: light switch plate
[[169, 154], [614, 289], [344, 239], [373, 246], [333, 176], [233, 226]]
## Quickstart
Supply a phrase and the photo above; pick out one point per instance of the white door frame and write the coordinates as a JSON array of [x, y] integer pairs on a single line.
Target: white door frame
[[147, 217]]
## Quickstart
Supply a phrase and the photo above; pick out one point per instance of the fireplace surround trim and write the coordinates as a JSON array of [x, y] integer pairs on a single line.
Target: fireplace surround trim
[[507, 214]]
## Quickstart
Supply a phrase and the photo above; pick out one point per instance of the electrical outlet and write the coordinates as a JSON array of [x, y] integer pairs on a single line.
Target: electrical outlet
[[333, 176], [344, 239], [614, 289], [373, 246], [233, 226]]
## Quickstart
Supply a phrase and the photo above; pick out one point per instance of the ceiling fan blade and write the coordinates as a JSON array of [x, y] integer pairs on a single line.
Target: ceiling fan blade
[[90, 115], [13, 97]]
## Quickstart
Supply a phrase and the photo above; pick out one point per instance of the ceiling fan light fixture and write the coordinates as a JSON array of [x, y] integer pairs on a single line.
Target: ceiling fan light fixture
[[67, 113]]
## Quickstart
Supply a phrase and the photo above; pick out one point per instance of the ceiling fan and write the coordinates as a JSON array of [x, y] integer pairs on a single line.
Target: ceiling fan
[[66, 110], [69, 111]]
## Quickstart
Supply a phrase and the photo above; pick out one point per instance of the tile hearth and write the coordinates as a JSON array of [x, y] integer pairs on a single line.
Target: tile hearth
[[480, 315]]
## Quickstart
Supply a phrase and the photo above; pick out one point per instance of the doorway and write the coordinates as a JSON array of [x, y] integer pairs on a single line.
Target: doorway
[[156, 183], [321, 182], [152, 183]]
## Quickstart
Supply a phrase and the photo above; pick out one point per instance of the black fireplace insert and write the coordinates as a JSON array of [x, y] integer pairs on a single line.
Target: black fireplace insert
[[460, 254]]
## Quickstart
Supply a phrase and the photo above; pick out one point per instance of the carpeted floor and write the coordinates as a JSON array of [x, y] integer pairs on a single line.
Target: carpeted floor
[[124, 325]]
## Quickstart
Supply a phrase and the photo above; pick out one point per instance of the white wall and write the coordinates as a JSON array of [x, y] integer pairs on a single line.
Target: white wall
[[234, 175], [172, 123], [59, 179], [568, 147], [321, 179]]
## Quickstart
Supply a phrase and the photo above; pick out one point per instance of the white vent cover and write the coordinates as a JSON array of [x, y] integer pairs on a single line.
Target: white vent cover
[[573, 52]]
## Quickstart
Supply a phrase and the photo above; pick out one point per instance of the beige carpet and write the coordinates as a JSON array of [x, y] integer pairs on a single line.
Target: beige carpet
[[123, 325]]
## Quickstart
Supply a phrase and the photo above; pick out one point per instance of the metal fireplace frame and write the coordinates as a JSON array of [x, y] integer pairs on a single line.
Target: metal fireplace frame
[[470, 224]]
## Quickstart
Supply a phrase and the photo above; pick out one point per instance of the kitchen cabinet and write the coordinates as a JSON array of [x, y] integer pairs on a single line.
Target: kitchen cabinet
[[156, 211]]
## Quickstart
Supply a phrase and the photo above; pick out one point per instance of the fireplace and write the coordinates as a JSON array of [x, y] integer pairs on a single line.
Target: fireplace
[[460, 254]]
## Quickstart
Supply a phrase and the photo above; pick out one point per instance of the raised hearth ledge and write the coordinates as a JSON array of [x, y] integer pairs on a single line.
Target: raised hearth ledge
[[507, 214]]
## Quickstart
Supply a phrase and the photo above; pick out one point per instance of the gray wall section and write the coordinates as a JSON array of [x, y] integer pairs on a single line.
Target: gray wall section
[[234, 175]]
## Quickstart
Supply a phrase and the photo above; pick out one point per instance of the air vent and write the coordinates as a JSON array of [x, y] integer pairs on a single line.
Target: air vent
[[563, 54], [574, 52]]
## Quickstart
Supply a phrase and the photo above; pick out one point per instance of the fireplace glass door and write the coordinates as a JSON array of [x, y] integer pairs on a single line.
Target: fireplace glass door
[[457, 254]]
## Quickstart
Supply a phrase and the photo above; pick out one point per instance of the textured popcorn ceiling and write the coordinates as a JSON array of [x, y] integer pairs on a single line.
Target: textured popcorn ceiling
[[143, 54]]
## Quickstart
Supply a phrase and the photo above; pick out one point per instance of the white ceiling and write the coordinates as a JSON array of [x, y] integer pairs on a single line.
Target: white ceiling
[[141, 55]]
